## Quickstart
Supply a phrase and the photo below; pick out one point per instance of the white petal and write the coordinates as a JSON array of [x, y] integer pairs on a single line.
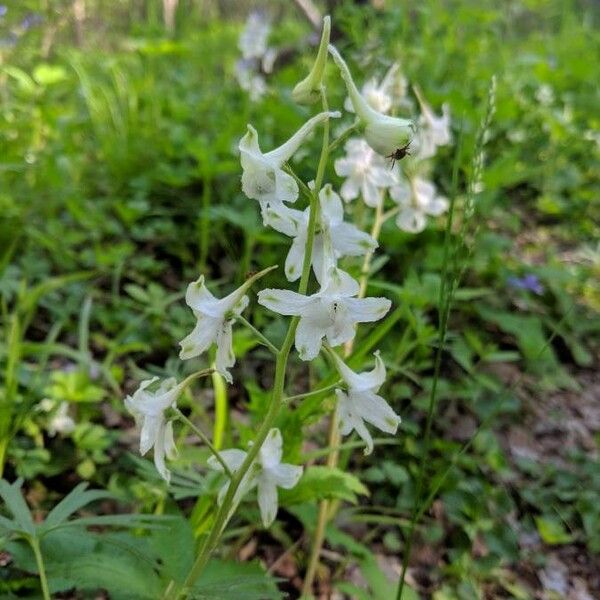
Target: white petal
[[372, 195], [295, 258], [332, 209], [437, 206], [364, 434], [382, 176], [349, 240], [151, 429], [284, 302], [201, 337], [368, 380], [267, 500], [367, 310], [159, 453], [379, 413], [309, 335], [286, 476], [349, 419], [344, 167], [288, 221], [225, 358], [199, 298], [411, 220], [271, 450], [339, 284], [350, 189], [342, 329], [401, 193], [286, 188], [170, 448], [233, 458]]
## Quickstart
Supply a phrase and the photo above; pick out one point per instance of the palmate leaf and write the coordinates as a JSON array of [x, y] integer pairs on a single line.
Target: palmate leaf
[[320, 483], [229, 580], [122, 575], [76, 499], [11, 494]]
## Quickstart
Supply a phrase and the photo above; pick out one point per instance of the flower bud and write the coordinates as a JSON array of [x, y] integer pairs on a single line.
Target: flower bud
[[383, 133], [308, 90]]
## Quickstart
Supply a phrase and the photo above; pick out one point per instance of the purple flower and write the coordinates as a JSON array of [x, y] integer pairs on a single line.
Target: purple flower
[[31, 20], [3, 10], [529, 282]]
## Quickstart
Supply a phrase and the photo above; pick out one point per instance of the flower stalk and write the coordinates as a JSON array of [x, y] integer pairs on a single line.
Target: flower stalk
[[173, 592]]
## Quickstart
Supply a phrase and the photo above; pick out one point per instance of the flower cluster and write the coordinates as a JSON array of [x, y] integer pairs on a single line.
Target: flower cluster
[[326, 318], [368, 174]]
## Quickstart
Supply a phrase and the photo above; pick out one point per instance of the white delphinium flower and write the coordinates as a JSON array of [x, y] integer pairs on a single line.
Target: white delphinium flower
[[361, 402], [383, 133], [416, 199], [381, 96], [148, 409], [345, 238], [263, 178], [433, 131], [249, 80], [366, 172], [267, 473], [215, 320], [332, 312], [253, 39]]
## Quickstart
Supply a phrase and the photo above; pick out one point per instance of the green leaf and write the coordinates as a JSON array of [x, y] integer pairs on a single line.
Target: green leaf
[[76, 499], [123, 576], [228, 580], [320, 483], [552, 531], [11, 494]]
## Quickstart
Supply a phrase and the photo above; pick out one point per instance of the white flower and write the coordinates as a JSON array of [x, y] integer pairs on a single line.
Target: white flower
[[361, 402], [332, 312], [381, 96], [383, 133], [263, 178], [268, 473], [215, 319], [366, 171], [433, 131], [253, 39], [416, 200], [61, 422], [343, 239], [249, 80], [148, 408]]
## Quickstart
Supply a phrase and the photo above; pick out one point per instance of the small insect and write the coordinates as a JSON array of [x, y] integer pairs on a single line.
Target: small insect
[[250, 274], [399, 154]]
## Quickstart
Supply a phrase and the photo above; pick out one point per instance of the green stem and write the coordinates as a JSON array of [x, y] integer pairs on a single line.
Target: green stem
[[313, 393], [444, 304], [344, 136], [221, 409], [39, 559], [205, 439], [173, 592], [263, 339]]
